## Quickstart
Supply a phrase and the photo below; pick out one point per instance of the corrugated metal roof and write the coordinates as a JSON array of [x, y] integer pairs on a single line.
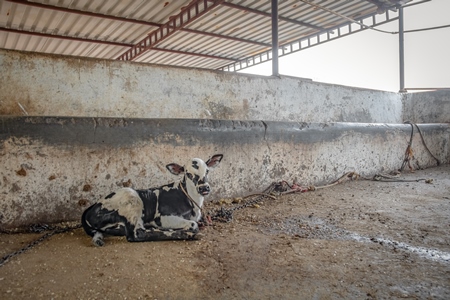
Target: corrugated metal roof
[[229, 32]]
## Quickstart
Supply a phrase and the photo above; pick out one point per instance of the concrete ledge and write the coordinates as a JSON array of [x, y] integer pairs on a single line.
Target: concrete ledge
[[53, 167]]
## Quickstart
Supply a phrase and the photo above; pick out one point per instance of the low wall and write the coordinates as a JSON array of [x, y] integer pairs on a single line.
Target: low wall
[[427, 107], [48, 85], [90, 126], [53, 167]]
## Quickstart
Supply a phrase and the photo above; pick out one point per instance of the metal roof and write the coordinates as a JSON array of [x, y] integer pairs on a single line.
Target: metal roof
[[213, 34]]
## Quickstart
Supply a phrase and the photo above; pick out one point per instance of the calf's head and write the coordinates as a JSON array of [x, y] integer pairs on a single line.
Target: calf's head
[[196, 172]]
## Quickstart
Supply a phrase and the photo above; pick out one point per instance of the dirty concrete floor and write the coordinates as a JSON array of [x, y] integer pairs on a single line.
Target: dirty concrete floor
[[357, 240]]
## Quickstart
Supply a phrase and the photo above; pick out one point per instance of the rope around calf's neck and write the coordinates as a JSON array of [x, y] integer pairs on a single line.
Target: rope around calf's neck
[[189, 197]]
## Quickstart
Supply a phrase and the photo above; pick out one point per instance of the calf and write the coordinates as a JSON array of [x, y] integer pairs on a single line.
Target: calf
[[167, 212]]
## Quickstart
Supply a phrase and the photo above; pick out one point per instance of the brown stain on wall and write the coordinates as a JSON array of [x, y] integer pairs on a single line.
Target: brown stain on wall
[[127, 183], [83, 202], [21, 172], [87, 188], [18, 104]]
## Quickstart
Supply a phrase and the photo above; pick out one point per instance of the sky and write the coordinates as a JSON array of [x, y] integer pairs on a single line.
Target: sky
[[370, 59]]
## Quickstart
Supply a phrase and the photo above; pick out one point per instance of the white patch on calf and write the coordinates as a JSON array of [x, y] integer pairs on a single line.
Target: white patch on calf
[[200, 171], [175, 222], [196, 197], [113, 226], [127, 203], [201, 165]]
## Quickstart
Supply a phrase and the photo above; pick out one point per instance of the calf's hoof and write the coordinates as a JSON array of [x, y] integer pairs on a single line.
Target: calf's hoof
[[97, 240], [193, 228], [98, 243]]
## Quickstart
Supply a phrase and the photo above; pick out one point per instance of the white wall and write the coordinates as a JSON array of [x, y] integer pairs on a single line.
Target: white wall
[[44, 85]]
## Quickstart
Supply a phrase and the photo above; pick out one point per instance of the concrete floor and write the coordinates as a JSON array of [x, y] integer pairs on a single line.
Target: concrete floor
[[357, 240]]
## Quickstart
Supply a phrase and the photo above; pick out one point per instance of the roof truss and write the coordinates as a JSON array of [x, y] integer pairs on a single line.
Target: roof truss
[[217, 34]]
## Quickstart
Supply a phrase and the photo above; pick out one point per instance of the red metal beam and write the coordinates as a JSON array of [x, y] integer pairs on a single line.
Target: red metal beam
[[71, 38], [225, 37], [141, 22], [82, 12], [192, 12], [196, 54], [63, 37], [262, 13]]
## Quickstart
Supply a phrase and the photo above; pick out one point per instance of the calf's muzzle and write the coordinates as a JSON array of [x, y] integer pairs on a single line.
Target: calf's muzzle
[[204, 189]]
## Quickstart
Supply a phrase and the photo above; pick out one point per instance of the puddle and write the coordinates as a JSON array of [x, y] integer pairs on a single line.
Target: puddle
[[311, 227]]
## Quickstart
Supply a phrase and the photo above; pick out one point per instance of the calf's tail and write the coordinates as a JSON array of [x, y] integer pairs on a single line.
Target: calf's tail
[[86, 226]]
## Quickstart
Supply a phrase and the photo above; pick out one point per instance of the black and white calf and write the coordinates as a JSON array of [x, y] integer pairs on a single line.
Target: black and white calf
[[167, 212]]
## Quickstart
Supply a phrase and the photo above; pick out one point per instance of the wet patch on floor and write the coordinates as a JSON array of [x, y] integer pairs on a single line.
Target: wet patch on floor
[[311, 227]]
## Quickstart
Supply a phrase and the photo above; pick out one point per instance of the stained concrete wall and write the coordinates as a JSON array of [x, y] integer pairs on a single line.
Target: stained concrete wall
[[52, 168], [45, 85], [427, 107], [92, 126]]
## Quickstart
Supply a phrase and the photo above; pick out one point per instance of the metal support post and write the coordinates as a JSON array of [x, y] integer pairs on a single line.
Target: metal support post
[[401, 49], [275, 71]]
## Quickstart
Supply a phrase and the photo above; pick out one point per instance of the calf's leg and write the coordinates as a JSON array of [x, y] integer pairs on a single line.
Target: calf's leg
[[155, 234], [172, 228], [97, 221], [175, 222]]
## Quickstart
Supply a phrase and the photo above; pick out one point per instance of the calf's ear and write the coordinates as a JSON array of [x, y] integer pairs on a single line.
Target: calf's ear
[[175, 169], [214, 161]]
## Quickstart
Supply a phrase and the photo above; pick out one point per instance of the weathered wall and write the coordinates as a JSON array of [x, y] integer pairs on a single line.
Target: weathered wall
[[45, 85], [427, 107], [99, 125], [52, 168]]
